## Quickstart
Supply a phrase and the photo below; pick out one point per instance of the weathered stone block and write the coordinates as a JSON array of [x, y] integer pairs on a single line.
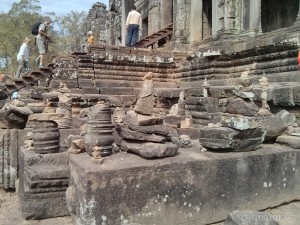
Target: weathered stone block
[[296, 92], [145, 105], [150, 150], [85, 83], [43, 180], [223, 138], [138, 136], [205, 104], [143, 120], [91, 90], [239, 106], [238, 122], [182, 189], [69, 83], [291, 141], [283, 96], [65, 73]]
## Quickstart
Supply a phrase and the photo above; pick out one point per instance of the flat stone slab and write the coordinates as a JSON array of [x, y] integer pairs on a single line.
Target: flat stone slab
[[250, 218], [150, 150], [291, 141], [224, 138], [191, 188]]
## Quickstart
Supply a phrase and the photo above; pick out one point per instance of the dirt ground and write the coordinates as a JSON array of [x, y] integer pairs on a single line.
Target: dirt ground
[[10, 214], [288, 214]]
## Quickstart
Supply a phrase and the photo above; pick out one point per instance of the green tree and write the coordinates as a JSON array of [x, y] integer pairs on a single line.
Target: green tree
[[14, 27], [17, 24], [71, 30]]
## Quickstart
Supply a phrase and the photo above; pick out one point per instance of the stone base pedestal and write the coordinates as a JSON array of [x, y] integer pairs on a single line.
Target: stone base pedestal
[[190, 188], [43, 180]]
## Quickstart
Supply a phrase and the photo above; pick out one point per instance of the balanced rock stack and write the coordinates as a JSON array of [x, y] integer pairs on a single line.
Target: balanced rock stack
[[142, 133]]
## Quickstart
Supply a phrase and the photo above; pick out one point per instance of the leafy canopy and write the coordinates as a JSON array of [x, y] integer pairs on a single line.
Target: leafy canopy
[[17, 23]]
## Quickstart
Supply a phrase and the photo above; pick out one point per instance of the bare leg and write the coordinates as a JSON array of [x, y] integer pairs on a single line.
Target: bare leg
[[41, 60]]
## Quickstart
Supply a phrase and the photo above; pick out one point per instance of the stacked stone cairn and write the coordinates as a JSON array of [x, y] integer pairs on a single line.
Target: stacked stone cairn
[[142, 132]]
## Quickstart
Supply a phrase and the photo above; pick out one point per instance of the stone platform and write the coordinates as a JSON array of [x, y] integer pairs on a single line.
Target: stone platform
[[190, 188]]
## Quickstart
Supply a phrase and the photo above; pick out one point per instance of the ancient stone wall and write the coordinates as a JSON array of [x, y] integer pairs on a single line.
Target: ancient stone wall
[[195, 20], [96, 22], [277, 14]]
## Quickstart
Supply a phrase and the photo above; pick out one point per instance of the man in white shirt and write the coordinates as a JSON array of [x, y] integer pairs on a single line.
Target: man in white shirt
[[23, 58], [133, 25]]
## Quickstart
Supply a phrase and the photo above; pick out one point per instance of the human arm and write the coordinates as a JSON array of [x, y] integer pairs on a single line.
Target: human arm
[[42, 31], [140, 24], [22, 52]]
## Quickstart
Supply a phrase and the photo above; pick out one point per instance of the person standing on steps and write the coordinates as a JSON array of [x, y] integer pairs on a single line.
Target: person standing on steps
[[134, 26], [42, 41], [23, 58]]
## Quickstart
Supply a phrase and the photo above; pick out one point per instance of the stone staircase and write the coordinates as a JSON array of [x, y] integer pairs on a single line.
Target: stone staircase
[[167, 32], [33, 79]]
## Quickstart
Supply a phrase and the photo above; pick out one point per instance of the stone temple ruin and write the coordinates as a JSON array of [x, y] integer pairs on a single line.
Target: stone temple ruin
[[201, 120]]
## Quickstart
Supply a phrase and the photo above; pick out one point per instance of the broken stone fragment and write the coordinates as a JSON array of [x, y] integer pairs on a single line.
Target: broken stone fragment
[[17, 107], [145, 105], [146, 100], [138, 136], [118, 115], [12, 116], [237, 122], [223, 138], [77, 146], [276, 124], [45, 117], [160, 129], [186, 123], [291, 141], [17, 103], [239, 106], [96, 155], [150, 150], [143, 120], [183, 141], [28, 144]]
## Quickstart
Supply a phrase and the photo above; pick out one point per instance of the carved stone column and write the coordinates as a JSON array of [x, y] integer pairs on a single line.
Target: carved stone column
[[196, 20], [255, 17], [215, 17], [154, 17], [180, 15], [166, 12], [298, 16]]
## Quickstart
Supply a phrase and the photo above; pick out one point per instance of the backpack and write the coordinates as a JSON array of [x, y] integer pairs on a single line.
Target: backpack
[[35, 28]]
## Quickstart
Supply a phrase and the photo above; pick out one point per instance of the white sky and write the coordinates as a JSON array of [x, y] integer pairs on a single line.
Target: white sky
[[60, 7]]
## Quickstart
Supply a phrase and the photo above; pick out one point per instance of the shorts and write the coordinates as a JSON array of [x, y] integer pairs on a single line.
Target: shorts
[[42, 47]]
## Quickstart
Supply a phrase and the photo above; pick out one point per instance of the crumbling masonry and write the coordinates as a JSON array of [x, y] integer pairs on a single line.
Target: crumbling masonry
[[206, 124]]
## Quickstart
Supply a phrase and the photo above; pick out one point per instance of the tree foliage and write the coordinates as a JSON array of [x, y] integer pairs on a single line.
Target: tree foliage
[[14, 27], [17, 23], [71, 30]]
